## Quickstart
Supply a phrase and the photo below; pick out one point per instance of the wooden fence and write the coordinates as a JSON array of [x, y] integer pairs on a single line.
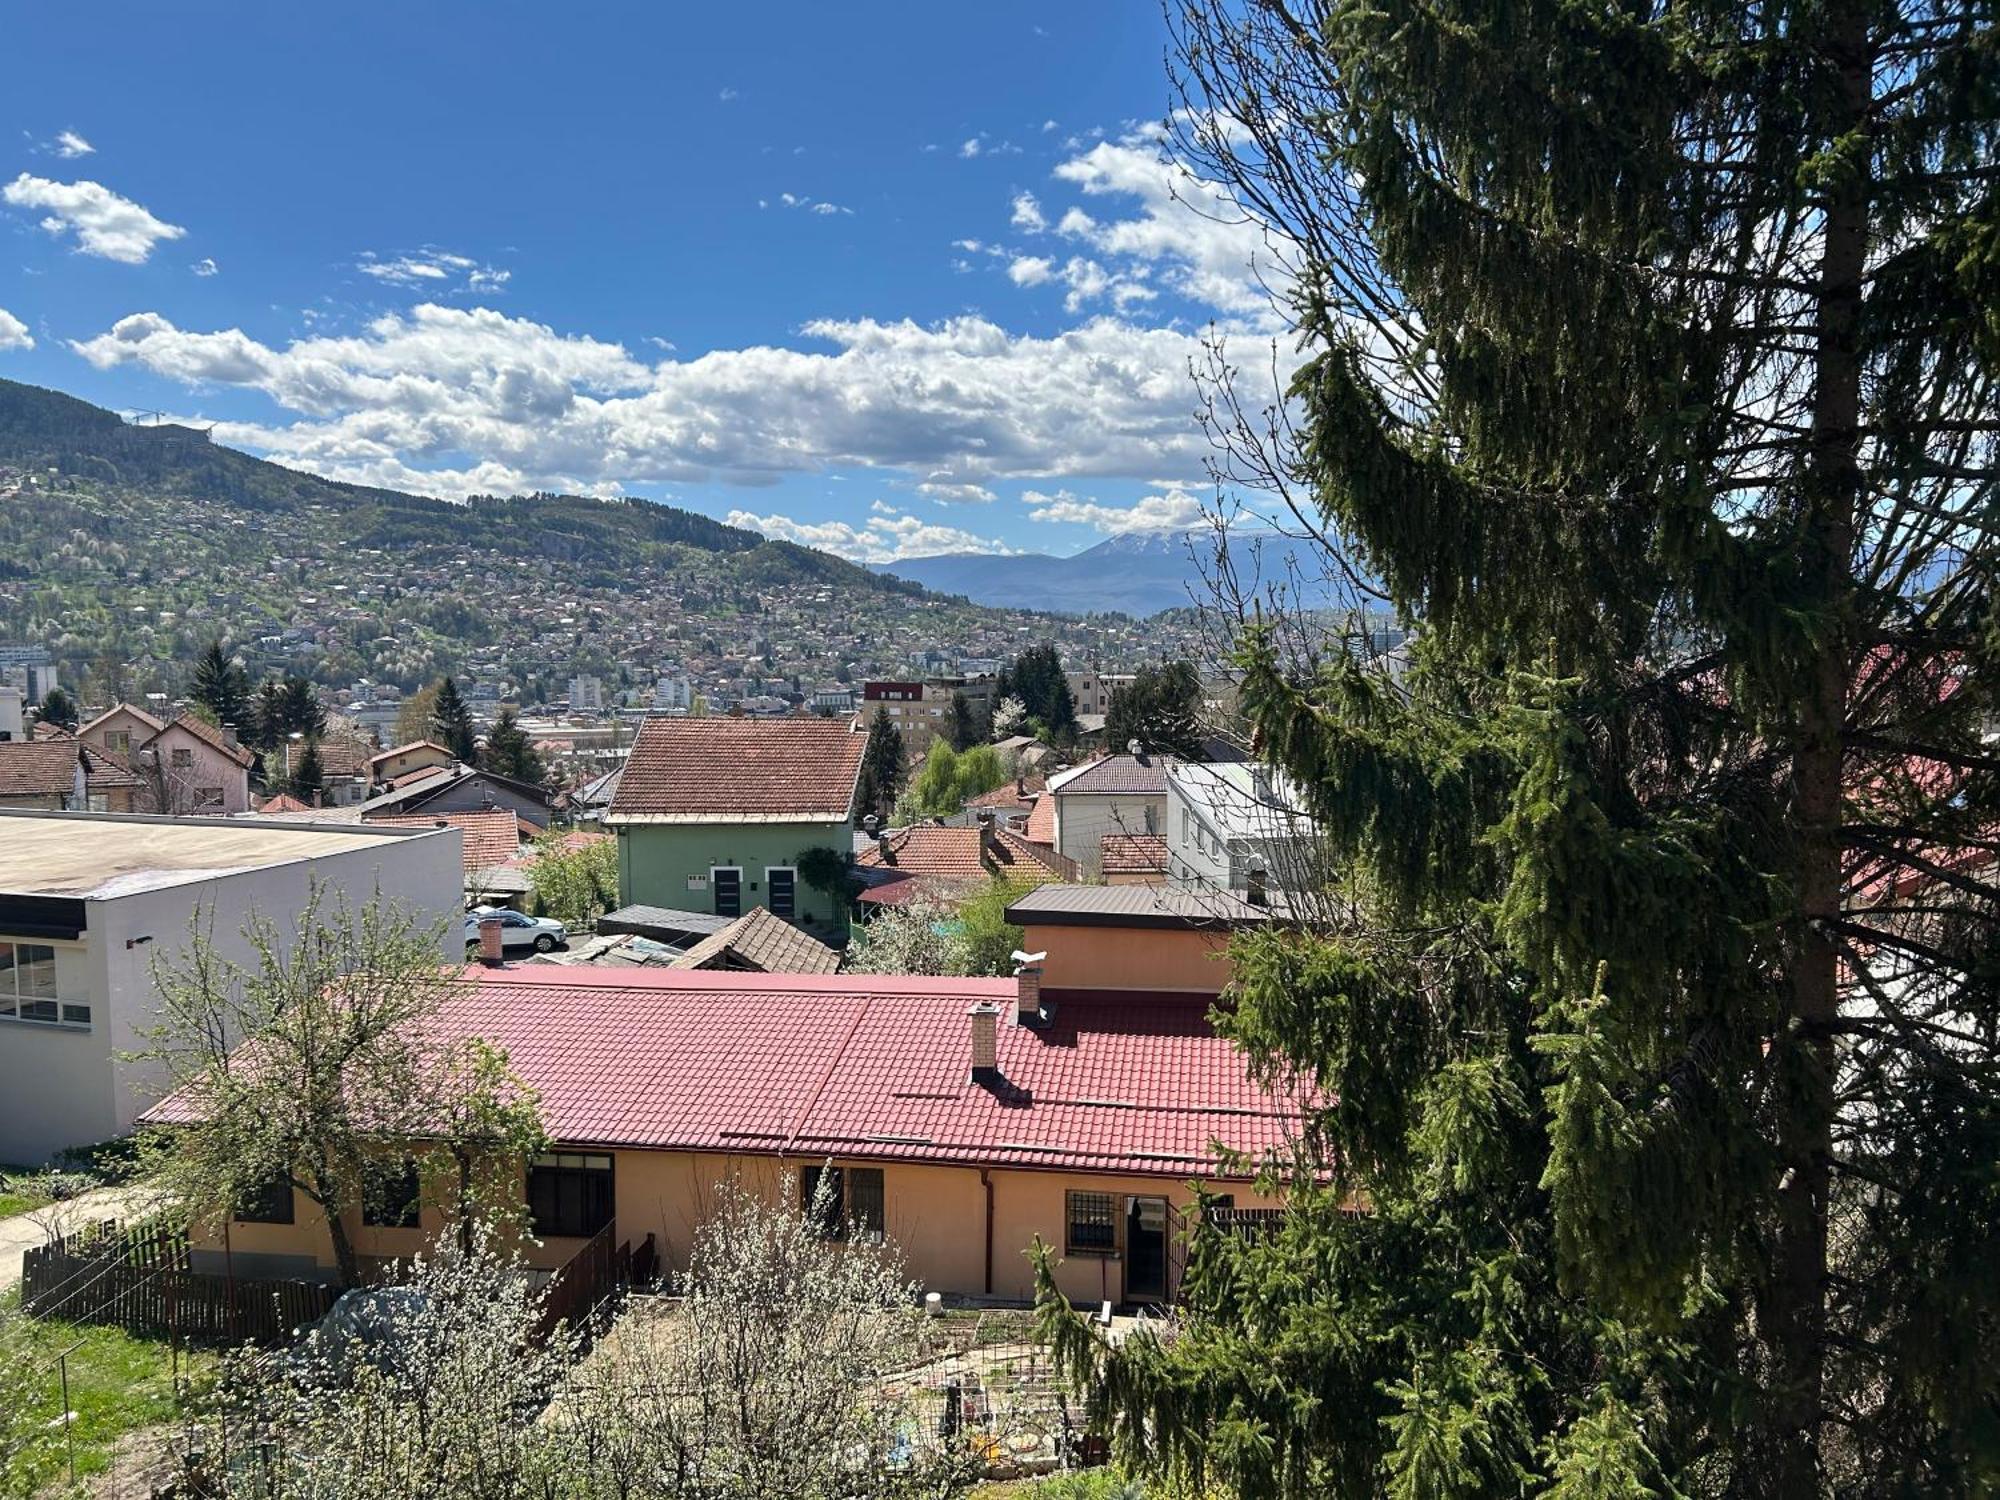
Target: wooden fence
[[136, 1277], [581, 1290]]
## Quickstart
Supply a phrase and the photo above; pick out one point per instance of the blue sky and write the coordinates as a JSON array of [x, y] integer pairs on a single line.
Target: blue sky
[[890, 279]]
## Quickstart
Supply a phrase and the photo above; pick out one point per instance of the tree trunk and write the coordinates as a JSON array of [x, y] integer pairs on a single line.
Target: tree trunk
[[1793, 1309], [347, 1265]]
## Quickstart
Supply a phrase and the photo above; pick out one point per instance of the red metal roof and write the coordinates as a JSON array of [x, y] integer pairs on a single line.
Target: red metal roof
[[716, 770], [865, 1066]]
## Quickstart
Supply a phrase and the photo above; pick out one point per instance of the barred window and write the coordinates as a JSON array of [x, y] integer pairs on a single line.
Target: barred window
[[1091, 1224], [853, 1202]]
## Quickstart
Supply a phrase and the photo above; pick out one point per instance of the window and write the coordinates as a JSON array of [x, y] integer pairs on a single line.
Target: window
[[727, 882], [570, 1195], [270, 1202], [29, 990], [1091, 1224], [853, 1201], [393, 1200], [208, 796], [184, 760], [783, 884], [118, 741]]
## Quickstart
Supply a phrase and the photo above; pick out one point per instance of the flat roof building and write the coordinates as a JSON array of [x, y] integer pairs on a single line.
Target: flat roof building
[[89, 902]]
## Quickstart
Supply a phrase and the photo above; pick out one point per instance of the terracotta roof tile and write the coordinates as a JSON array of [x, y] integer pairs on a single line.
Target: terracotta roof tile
[[47, 768], [1117, 775], [345, 754], [723, 770], [492, 835], [1042, 821], [865, 1067], [758, 940], [210, 736], [1133, 854], [930, 852], [153, 725]]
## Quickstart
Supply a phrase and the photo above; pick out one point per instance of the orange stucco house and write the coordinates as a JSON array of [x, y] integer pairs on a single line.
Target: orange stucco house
[[962, 1118]]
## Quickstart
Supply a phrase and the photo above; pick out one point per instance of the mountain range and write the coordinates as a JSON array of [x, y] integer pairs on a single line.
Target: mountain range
[[127, 548], [1139, 572]]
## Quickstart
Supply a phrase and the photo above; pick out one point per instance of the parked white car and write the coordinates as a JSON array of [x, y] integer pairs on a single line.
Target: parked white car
[[516, 930]]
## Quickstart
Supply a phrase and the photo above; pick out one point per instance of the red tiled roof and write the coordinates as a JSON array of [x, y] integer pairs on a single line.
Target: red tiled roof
[[1042, 821], [47, 768], [422, 773], [210, 736], [1133, 853], [740, 770], [284, 802], [863, 1066], [931, 852], [46, 731], [345, 755], [1013, 794], [492, 835]]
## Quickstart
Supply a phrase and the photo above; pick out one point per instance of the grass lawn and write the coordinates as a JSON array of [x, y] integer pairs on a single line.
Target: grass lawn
[[13, 1200], [117, 1384]]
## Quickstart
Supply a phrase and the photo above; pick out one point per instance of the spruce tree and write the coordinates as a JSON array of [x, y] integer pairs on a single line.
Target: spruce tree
[[1160, 708], [963, 730], [1648, 371], [222, 687], [267, 726], [59, 709], [300, 707], [308, 773], [509, 752], [881, 767], [1037, 679], [451, 722]]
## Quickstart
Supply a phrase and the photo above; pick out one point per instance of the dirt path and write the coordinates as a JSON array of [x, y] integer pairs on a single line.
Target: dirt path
[[26, 1231]]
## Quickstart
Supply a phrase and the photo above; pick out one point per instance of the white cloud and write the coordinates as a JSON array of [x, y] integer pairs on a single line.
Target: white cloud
[[70, 145], [434, 271], [727, 94], [1028, 214], [973, 147], [105, 224], [960, 403], [889, 535], [1201, 242], [1047, 126], [1174, 509], [1030, 270], [205, 267], [810, 205], [13, 332], [486, 279]]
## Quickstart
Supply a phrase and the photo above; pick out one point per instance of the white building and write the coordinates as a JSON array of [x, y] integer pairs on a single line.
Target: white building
[[89, 902], [673, 695], [30, 669], [1119, 796], [12, 719], [1236, 827], [586, 694]]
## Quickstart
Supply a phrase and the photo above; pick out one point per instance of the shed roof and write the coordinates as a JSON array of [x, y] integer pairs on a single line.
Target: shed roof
[[759, 940], [1139, 906]]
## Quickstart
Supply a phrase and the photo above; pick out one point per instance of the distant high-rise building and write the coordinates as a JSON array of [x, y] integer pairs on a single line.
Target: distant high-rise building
[[586, 694], [30, 669]]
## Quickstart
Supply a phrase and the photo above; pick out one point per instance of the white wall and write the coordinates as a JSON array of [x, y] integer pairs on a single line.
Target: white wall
[[1083, 820], [65, 1086]]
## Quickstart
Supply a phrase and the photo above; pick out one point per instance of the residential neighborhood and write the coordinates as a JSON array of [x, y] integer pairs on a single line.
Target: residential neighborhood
[[1246, 750]]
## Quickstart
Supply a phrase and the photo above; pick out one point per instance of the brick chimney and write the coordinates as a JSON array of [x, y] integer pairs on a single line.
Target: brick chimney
[[985, 1043], [987, 852], [490, 951], [1028, 1008]]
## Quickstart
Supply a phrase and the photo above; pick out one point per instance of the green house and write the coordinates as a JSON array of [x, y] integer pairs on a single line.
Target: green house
[[716, 815]]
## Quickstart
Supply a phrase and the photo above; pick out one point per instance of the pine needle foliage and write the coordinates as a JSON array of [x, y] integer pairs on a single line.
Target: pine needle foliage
[[1647, 370]]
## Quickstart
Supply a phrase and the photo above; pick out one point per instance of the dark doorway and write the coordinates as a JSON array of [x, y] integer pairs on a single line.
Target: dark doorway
[[1145, 1249]]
